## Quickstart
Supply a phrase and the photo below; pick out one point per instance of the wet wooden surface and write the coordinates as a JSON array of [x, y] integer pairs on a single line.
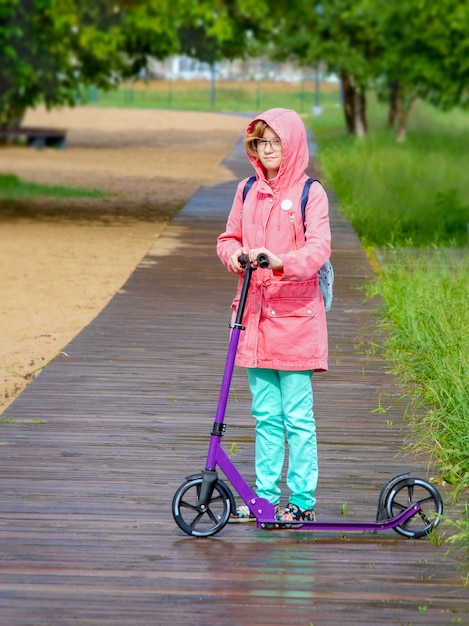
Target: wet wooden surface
[[98, 444]]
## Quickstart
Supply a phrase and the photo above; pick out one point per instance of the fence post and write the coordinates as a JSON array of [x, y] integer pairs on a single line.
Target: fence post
[[317, 109], [170, 93], [212, 85]]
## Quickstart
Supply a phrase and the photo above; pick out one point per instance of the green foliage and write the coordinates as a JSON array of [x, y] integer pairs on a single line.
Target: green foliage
[[33, 41], [413, 49], [149, 28], [340, 33], [51, 49], [426, 49], [221, 29], [42, 42]]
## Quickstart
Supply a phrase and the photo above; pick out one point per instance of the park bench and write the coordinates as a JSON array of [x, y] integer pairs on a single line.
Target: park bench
[[37, 137]]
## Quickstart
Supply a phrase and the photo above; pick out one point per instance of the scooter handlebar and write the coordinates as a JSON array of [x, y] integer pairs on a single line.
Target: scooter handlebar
[[262, 260]]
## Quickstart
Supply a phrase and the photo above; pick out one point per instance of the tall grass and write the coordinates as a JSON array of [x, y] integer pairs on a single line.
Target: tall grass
[[427, 315], [416, 193]]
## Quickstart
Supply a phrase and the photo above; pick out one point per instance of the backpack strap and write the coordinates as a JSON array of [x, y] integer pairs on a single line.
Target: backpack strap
[[249, 183], [326, 272], [304, 200]]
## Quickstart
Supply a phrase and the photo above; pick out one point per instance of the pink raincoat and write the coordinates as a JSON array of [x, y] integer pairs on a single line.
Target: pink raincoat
[[285, 318]]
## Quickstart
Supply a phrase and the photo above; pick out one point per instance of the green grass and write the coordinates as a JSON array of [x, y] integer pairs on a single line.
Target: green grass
[[13, 188]]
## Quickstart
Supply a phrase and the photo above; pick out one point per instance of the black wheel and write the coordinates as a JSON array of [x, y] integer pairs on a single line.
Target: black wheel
[[201, 523], [415, 490]]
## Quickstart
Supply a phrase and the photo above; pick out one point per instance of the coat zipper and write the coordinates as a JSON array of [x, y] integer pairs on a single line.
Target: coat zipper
[[292, 222]]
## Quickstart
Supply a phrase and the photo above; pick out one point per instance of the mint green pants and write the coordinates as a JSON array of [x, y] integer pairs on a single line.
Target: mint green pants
[[282, 405]]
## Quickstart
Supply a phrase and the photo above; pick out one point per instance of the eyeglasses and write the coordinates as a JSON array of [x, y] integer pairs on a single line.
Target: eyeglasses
[[261, 144]]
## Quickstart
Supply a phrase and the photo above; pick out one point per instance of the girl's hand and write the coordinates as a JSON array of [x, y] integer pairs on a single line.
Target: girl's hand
[[234, 260], [275, 263]]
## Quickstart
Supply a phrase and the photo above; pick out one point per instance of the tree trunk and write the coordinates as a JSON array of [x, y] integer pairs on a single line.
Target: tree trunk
[[360, 124], [12, 122], [354, 103], [348, 100], [213, 73], [395, 104], [403, 119], [11, 116]]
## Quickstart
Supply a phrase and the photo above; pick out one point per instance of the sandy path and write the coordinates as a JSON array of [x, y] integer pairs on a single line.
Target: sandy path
[[62, 261]]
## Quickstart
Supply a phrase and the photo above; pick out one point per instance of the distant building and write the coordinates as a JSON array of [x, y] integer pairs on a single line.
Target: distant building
[[179, 67]]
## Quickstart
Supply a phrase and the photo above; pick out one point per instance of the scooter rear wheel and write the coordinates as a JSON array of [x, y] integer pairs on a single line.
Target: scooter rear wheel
[[415, 490], [201, 523]]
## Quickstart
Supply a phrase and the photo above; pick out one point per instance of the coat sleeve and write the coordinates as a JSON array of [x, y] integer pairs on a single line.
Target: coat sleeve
[[304, 263], [229, 241]]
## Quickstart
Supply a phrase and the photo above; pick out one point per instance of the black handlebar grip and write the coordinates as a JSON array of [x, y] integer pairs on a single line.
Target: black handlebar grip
[[262, 260]]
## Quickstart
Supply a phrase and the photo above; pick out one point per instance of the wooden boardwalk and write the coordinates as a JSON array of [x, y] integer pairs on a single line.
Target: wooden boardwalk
[[98, 444]]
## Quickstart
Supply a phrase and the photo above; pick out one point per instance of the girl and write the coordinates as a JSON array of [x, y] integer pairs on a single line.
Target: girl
[[286, 335]]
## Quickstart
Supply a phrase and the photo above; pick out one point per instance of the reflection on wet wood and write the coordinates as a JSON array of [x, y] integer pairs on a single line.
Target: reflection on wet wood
[[98, 444]]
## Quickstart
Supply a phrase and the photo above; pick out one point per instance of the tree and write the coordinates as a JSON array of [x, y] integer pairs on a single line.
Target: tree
[[340, 33], [426, 56], [51, 49], [405, 50]]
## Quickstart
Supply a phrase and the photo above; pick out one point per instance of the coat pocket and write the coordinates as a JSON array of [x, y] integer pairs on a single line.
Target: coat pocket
[[289, 330]]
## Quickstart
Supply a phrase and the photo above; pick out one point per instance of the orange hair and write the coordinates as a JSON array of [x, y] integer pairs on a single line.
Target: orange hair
[[257, 130]]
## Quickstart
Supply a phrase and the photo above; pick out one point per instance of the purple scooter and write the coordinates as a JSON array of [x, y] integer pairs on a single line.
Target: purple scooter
[[203, 504]]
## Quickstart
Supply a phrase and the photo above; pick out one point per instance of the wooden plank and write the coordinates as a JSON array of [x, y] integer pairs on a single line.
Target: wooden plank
[[99, 443]]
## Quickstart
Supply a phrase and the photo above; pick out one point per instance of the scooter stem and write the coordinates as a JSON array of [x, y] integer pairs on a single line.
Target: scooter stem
[[233, 346], [236, 327]]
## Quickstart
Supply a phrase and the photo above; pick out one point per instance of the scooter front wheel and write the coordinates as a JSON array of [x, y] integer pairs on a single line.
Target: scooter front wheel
[[415, 490], [201, 523]]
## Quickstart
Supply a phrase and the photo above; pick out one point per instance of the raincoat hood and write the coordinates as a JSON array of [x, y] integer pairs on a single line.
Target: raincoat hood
[[288, 125]]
